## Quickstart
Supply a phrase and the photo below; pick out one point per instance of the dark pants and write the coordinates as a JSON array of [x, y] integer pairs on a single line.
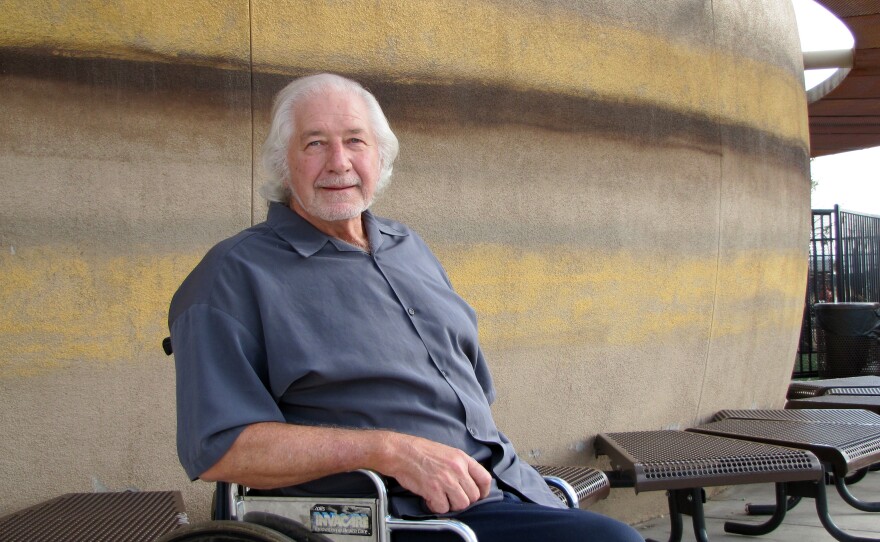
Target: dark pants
[[512, 520]]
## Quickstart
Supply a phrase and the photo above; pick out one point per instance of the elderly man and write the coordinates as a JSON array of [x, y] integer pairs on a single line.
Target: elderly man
[[327, 339]]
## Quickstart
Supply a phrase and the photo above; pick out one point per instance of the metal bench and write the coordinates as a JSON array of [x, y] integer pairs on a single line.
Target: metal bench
[[842, 448], [130, 516], [683, 463], [841, 416], [863, 402], [854, 385], [577, 487]]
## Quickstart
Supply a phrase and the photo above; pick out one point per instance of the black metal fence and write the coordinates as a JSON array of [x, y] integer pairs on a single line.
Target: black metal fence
[[844, 268]]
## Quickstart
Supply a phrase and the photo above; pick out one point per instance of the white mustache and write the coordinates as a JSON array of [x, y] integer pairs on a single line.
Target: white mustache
[[338, 182]]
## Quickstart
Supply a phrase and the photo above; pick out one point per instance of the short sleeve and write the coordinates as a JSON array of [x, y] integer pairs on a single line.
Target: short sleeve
[[222, 385]]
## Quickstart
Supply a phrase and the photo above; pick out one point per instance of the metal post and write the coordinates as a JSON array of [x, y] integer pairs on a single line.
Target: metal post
[[838, 257]]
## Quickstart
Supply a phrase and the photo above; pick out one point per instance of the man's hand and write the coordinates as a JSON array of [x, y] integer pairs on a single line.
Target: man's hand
[[448, 479]]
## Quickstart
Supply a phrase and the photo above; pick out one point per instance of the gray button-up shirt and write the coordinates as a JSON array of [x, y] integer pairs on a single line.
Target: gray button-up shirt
[[283, 323]]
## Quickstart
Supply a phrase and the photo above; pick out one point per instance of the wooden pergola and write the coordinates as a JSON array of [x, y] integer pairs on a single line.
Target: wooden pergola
[[848, 118]]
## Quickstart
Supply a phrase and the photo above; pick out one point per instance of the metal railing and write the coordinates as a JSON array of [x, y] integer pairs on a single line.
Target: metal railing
[[844, 268]]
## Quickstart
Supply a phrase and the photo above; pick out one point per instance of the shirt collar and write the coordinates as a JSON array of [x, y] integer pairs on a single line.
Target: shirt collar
[[307, 239]]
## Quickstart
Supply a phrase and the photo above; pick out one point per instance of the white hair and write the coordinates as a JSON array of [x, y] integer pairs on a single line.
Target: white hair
[[277, 187]]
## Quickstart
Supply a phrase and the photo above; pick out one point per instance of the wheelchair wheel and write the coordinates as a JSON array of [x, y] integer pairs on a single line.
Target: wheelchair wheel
[[225, 531], [286, 526]]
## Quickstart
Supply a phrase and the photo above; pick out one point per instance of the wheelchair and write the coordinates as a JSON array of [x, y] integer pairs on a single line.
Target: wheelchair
[[242, 517], [237, 516]]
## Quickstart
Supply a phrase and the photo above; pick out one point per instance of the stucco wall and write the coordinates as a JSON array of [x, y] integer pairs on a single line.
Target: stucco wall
[[619, 189]]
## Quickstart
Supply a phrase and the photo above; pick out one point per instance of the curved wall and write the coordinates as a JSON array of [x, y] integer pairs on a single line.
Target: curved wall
[[619, 190]]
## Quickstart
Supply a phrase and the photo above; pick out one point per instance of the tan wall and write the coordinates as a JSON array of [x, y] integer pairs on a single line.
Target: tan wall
[[619, 191]]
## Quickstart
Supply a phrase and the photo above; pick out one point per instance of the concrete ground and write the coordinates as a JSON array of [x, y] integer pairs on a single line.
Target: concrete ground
[[801, 524]]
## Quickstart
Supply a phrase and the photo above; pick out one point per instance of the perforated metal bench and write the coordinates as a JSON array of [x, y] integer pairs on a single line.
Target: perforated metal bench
[[842, 448], [576, 486], [683, 463], [854, 385], [87, 517], [864, 402], [842, 416]]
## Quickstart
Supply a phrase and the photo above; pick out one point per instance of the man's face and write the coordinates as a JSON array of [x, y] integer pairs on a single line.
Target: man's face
[[333, 158]]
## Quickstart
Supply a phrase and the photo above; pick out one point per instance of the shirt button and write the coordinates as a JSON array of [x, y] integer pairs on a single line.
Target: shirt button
[[472, 431], [411, 311], [444, 373]]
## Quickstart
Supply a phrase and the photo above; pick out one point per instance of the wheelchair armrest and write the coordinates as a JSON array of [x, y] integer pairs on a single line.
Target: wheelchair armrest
[[230, 502]]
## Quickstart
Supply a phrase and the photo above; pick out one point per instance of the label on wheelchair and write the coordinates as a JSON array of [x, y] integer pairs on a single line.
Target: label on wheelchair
[[341, 519]]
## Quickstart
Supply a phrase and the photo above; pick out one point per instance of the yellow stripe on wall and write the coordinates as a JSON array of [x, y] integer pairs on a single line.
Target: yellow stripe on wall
[[61, 308], [544, 49], [560, 296], [131, 29], [550, 50]]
